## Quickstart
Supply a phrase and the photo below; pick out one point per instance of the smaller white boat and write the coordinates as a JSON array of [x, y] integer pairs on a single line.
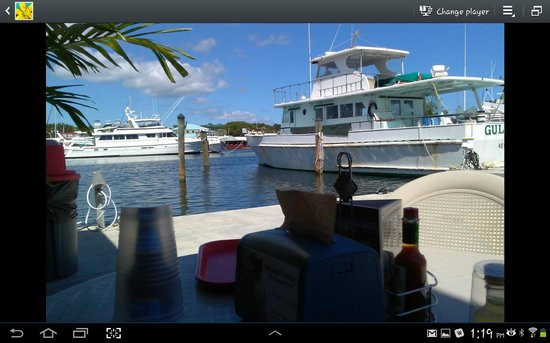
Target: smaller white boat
[[193, 131]]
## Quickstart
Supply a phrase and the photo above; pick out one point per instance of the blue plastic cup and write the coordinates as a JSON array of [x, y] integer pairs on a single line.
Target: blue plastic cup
[[148, 283]]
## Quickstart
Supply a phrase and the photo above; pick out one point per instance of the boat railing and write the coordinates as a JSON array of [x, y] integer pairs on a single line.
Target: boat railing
[[294, 92], [435, 120], [329, 86]]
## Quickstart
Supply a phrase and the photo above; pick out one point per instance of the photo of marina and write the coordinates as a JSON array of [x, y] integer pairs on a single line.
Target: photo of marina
[[195, 132]]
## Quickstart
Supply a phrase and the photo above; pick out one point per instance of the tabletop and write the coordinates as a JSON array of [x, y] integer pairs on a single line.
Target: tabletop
[[93, 301]]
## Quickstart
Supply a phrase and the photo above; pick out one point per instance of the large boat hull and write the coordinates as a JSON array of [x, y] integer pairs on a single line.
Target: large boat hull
[[139, 150], [404, 151]]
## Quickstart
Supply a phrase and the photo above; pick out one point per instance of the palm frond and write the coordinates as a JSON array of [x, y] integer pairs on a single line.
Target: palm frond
[[72, 48], [64, 101]]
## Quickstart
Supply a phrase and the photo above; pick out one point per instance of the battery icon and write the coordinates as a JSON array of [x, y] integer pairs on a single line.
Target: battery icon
[[542, 333]]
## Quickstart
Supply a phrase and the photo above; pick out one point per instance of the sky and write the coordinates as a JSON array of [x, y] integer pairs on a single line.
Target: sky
[[237, 66]]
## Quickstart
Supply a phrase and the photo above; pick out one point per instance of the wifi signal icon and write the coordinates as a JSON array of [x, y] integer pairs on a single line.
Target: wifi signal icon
[[532, 331]]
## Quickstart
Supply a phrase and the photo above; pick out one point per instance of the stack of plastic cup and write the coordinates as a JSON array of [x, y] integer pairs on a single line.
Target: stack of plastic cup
[[487, 294], [148, 284]]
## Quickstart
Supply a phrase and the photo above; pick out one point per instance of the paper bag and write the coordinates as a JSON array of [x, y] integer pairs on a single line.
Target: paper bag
[[308, 214]]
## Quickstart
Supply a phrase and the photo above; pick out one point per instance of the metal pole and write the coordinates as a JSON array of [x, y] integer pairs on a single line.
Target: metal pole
[[181, 144], [464, 108], [309, 51]]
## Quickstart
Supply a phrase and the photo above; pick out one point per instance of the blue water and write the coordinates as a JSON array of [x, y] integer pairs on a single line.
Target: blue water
[[234, 180]]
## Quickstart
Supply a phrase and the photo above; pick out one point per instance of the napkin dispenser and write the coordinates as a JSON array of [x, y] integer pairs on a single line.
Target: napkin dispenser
[[284, 277]]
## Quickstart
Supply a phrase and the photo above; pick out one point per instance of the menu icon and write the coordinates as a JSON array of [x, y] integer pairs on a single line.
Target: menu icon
[[508, 10]]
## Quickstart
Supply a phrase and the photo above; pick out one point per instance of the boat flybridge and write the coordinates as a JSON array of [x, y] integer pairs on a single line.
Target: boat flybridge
[[380, 119]]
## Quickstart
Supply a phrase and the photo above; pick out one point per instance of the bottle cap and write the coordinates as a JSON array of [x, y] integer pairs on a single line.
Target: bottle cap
[[410, 212]]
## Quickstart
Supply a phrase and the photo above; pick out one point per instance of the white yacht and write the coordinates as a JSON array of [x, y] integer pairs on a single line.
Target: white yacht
[[379, 119], [138, 137]]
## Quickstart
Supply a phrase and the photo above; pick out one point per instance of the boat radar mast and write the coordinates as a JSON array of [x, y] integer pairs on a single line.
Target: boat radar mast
[[128, 112]]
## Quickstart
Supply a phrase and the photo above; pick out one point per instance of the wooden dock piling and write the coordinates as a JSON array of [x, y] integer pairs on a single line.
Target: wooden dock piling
[[205, 152], [319, 154], [181, 144]]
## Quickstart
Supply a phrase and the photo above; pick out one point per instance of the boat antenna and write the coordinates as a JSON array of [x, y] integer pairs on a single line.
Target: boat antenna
[[334, 37], [464, 108], [309, 55], [171, 109], [354, 39]]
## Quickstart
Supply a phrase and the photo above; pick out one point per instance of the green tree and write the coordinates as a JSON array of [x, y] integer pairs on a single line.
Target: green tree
[[72, 47]]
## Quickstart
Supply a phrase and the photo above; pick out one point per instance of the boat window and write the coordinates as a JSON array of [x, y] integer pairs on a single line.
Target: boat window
[[118, 137], [346, 110], [291, 116], [396, 107], [171, 134], [151, 135], [131, 136], [408, 107], [359, 109], [332, 112], [353, 62], [105, 138], [327, 69], [319, 114], [286, 117]]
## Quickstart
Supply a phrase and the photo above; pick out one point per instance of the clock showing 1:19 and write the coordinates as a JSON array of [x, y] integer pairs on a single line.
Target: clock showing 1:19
[[482, 333]]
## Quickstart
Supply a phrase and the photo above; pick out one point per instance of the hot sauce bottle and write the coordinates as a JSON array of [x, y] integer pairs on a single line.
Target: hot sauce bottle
[[410, 270]]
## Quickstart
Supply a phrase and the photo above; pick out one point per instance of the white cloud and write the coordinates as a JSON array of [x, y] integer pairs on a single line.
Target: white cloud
[[205, 45], [240, 54], [237, 116], [152, 80], [272, 39], [201, 100], [222, 84]]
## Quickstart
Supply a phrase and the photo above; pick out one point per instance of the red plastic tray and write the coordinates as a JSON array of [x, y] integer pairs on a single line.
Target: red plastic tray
[[217, 263]]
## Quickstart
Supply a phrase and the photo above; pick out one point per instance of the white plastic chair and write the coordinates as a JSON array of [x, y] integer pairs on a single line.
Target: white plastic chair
[[459, 210]]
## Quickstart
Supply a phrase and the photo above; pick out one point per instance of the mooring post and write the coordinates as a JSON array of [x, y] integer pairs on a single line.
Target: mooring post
[[100, 199], [181, 144], [205, 152], [319, 154]]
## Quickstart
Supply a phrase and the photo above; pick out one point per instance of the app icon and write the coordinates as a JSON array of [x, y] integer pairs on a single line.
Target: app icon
[[24, 10], [511, 332], [113, 333], [459, 333], [536, 11], [431, 333], [445, 333], [80, 333], [425, 10]]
